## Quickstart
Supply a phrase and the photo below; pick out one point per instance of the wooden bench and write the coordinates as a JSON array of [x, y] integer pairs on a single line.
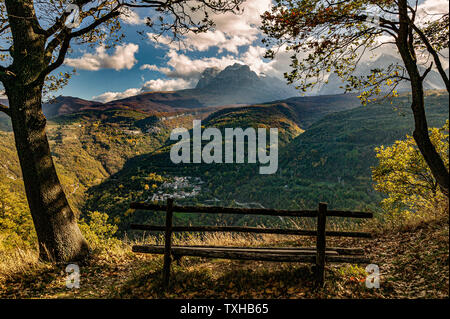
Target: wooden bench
[[319, 255]]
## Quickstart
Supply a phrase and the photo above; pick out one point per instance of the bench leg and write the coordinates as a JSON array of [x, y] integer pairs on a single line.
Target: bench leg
[[320, 276], [168, 244], [321, 245], [166, 271]]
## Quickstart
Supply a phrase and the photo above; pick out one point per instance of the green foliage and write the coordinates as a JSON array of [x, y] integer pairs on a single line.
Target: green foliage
[[16, 225], [103, 167], [97, 231], [87, 148], [405, 177]]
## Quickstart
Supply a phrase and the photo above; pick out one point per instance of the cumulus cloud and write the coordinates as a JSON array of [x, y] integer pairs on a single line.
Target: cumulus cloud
[[185, 67], [433, 8], [182, 66], [166, 85], [111, 96], [231, 34], [204, 41], [232, 31], [122, 58]]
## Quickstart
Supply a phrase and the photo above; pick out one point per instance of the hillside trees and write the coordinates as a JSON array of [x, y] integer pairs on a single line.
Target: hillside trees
[[333, 36], [35, 39]]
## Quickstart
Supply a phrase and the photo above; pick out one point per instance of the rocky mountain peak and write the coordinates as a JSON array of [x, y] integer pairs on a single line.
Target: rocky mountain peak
[[207, 76]]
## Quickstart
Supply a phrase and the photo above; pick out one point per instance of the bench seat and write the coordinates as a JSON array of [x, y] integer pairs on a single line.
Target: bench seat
[[288, 254]]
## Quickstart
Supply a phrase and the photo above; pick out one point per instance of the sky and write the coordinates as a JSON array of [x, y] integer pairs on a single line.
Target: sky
[[139, 63]]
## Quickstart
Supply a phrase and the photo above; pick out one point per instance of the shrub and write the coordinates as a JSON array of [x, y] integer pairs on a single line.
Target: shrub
[[404, 176], [97, 231]]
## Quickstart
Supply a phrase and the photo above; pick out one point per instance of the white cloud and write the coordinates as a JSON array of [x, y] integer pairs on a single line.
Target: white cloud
[[433, 7], [219, 39], [156, 68], [232, 30], [122, 58], [131, 17], [182, 66], [111, 96], [166, 85]]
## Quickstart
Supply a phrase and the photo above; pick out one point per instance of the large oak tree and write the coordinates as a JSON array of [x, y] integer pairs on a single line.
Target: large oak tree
[[333, 35], [36, 36]]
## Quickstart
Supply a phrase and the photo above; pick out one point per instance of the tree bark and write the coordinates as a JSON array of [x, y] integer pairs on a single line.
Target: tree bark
[[59, 237], [420, 134], [56, 225]]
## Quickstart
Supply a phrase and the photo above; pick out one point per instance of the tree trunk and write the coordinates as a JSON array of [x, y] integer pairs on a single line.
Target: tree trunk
[[56, 225], [421, 136]]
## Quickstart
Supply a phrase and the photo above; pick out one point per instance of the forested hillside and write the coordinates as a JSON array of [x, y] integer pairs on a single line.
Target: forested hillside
[[329, 162], [87, 148]]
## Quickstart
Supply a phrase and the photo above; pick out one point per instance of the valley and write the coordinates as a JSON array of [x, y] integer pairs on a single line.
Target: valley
[[108, 155]]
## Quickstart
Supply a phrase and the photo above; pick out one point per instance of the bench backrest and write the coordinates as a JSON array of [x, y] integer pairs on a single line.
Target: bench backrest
[[320, 233], [321, 214]]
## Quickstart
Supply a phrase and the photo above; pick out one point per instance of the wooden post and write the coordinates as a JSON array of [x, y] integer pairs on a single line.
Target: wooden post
[[168, 243], [321, 245]]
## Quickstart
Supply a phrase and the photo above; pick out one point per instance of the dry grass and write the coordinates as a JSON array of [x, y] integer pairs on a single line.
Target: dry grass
[[408, 222], [16, 261]]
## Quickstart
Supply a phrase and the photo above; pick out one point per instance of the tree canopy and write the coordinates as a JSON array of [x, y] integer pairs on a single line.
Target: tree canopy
[[333, 36]]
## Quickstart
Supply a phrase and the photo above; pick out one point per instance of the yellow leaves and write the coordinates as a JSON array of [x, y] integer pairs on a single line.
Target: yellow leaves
[[153, 177], [405, 177]]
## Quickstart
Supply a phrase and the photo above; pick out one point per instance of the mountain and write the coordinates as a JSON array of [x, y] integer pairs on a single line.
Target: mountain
[[279, 116], [66, 105], [341, 145], [63, 105], [432, 82], [237, 84], [234, 85], [152, 102], [207, 76]]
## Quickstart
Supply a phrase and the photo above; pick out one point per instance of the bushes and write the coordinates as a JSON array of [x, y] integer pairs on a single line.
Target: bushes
[[403, 175], [98, 232]]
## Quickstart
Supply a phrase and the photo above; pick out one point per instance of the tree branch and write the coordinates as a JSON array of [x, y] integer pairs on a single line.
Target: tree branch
[[5, 109], [65, 40], [427, 71], [434, 54]]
